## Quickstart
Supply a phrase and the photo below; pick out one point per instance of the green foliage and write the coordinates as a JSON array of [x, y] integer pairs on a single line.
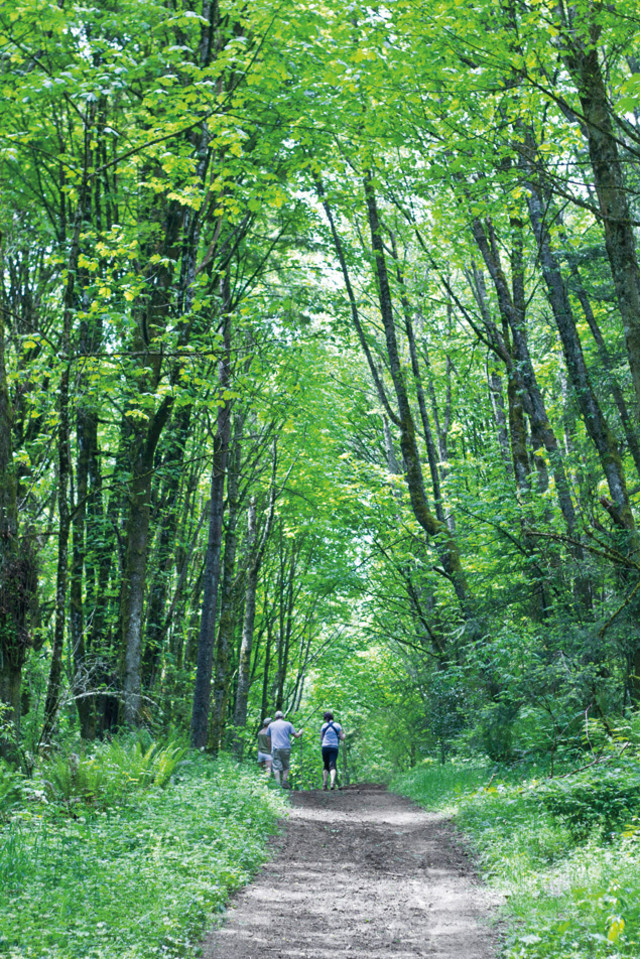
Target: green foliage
[[376, 703], [564, 896], [192, 176], [142, 767], [437, 785], [11, 791], [111, 772], [606, 800], [138, 880]]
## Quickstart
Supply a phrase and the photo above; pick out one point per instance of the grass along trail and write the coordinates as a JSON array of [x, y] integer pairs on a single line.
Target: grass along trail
[[360, 874]]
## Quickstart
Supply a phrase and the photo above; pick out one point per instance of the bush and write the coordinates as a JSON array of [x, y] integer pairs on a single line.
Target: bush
[[564, 897], [142, 880], [10, 789], [434, 785], [74, 779], [110, 774], [140, 767], [600, 799]]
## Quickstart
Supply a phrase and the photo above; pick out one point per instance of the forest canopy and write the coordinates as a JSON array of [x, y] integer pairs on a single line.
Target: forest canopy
[[320, 372]]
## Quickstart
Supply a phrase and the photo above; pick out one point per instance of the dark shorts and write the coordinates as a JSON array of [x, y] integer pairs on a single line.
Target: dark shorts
[[330, 756]]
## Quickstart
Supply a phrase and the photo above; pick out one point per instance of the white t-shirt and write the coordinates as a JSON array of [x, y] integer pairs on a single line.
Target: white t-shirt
[[330, 733]]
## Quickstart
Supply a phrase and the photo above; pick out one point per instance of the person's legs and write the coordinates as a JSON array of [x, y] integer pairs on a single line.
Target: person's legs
[[329, 756], [285, 755], [332, 763], [264, 761], [325, 761], [280, 760], [276, 765]]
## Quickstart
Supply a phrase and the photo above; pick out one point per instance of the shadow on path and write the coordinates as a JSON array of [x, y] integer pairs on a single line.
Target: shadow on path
[[360, 874]]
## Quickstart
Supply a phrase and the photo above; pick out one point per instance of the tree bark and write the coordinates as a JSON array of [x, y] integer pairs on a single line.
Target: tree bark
[[164, 557], [255, 563], [580, 39], [607, 364], [222, 669], [18, 579], [496, 395], [535, 408], [206, 640], [593, 418], [413, 470], [64, 522], [64, 451], [417, 380], [142, 437]]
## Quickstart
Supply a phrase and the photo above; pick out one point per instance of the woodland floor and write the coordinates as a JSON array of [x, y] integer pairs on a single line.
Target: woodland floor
[[360, 873]]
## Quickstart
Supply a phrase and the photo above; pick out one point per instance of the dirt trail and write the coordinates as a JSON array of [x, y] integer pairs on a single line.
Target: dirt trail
[[360, 874]]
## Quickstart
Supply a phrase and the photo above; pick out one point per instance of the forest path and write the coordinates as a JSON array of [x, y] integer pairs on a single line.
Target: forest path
[[360, 874]]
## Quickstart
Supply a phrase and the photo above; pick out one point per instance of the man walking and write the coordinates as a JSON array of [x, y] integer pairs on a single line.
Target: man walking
[[280, 732]]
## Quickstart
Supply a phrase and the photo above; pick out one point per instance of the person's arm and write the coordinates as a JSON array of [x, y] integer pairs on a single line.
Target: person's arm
[[299, 733], [341, 734]]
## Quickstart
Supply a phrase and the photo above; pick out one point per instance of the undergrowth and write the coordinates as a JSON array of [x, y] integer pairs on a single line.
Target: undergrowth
[[563, 852], [82, 879]]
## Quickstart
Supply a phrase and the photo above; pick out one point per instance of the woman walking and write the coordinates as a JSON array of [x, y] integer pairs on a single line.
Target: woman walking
[[330, 736], [264, 746]]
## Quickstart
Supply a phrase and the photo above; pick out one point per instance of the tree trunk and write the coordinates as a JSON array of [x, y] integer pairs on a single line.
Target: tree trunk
[[64, 522], [164, 557], [255, 563], [64, 459], [607, 363], [264, 702], [582, 61], [413, 470], [244, 661], [593, 418], [135, 575], [206, 640], [531, 394], [501, 345], [229, 595], [518, 438], [18, 582], [496, 395], [288, 594], [85, 437], [417, 380]]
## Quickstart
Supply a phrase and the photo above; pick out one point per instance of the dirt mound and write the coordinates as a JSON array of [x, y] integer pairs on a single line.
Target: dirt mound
[[360, 874]]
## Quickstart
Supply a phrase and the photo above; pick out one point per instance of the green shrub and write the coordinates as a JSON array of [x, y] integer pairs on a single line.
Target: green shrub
[[110, 774], [599, 799], [565, 898], [142, 880], [142, 767], [74, 779], [434, 784], [10, 789]]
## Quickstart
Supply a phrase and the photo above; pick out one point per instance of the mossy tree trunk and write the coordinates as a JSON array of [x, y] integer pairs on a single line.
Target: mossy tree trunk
[[18, 577]]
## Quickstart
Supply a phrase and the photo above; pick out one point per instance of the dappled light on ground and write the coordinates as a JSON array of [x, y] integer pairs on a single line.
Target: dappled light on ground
[[360, 874]]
